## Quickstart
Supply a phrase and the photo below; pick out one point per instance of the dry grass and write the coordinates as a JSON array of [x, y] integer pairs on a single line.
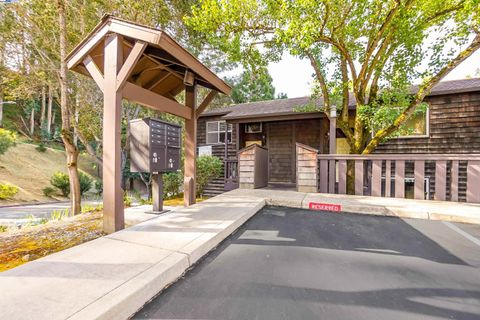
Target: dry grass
[[33, 242], [30, 171]]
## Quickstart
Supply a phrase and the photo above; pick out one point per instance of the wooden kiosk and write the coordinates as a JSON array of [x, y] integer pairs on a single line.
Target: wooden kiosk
[[146, 66]]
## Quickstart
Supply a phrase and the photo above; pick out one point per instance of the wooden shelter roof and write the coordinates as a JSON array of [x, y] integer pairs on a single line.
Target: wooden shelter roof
[[164, 66]]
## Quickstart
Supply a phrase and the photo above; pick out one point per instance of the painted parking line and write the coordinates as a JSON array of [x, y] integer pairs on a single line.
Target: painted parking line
[[461, 232]]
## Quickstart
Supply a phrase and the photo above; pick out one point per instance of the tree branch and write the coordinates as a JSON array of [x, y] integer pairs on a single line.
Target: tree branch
[[323, 84], [422, 92]]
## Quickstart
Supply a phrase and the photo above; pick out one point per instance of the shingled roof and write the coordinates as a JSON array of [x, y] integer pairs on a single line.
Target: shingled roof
[[282, 107]]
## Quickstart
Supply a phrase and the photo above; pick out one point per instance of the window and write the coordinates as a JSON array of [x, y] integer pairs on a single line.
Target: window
[[216, 132], [416, 126], [253, 127]]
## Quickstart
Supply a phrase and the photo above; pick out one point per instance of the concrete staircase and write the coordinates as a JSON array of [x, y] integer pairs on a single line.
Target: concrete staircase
[[214, 188]]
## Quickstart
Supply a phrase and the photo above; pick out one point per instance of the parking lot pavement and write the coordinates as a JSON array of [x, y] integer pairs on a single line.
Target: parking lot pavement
[[297, 264]]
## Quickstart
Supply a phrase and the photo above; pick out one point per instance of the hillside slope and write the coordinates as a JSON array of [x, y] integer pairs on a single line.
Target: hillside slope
[[30, 170]]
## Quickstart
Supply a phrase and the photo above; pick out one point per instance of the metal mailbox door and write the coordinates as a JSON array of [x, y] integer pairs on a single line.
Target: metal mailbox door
[[157, 158], [173, 158]]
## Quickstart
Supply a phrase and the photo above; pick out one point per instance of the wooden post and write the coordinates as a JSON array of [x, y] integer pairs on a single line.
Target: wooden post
[[157, 192], [189, 195], [113, 219]]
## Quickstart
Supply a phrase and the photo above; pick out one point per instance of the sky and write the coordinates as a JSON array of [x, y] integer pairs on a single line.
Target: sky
[[293, 76]]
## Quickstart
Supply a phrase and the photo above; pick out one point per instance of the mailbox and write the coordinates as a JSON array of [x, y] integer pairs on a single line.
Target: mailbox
[[154, 146]]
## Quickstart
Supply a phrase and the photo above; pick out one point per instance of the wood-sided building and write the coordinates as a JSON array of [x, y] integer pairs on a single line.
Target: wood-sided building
[[451, 125]]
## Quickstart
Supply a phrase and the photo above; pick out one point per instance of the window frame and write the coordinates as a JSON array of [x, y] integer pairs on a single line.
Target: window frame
[[218, 131], [427, 129]]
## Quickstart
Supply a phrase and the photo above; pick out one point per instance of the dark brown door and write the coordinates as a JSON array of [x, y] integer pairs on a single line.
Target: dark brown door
[[281, 153]]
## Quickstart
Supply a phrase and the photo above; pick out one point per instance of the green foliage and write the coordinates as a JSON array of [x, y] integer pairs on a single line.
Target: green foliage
[[41, 148], [127, 199], [48, 191], [208, 168], [7, 140], [3, 228], [86, 182], [172, 184], [253, 85], [61, 181], [58, 215], [99, 186], [7, 191]]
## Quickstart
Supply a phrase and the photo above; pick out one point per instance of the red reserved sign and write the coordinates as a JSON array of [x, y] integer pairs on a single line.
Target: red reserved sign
[[325, 206]]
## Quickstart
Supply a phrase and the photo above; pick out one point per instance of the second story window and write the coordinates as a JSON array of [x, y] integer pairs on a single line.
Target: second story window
[[216, 132]]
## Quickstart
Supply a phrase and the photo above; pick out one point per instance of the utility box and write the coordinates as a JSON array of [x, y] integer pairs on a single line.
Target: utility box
[[154, 146]]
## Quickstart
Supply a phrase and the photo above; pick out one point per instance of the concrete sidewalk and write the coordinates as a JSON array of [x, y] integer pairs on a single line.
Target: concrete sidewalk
[[393, 207], [113, 276]]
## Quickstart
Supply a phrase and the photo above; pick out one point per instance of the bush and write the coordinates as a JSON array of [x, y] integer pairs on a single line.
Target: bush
[[7, 191], [127, 200], [208, 168], [48, 191], [61, 181], [41, 148], [85, 182], [172, 182], [7, 140], [99, 186]]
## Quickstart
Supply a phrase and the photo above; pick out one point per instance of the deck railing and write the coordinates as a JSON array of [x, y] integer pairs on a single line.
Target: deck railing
[[454, 177], [231, 174]]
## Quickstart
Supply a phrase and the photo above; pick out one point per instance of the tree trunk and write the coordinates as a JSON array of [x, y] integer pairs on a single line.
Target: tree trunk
[[42, 110], [67, 138], [76, 115], [32, 121], [49, 112], [1, 107]]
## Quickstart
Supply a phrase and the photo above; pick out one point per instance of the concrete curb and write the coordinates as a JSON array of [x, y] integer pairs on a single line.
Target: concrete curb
[[389, 207]]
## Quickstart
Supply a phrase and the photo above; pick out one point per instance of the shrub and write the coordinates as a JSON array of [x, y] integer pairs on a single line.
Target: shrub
[[172, 182], [208, 168], [41, 148], [3, 228], [7, 191], [48, 191], [7, 140], [85, 182], [61, 181], [127, 200], [99, 186]]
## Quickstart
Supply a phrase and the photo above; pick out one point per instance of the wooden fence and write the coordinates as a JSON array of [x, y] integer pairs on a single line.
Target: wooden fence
[[253, 167], [454, 177]]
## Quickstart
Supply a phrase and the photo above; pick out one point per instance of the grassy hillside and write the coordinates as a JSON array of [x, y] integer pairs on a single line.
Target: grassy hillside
[[30, 170]]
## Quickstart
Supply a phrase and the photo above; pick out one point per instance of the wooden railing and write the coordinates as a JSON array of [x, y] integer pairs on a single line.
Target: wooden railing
[[454, 177], [231, 174]]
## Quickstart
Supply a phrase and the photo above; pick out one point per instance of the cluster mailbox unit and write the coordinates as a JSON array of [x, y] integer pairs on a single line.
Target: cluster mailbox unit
[[155, 148]]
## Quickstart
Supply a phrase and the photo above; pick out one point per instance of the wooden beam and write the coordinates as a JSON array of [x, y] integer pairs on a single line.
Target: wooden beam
[[94, 71], [210, 96], [113, 218], [130, 63], [158, 81], [189, 196], [83, 49], [155, 101]]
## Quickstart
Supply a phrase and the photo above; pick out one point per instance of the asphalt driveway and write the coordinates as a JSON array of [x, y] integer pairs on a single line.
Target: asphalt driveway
[[297, 264]]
